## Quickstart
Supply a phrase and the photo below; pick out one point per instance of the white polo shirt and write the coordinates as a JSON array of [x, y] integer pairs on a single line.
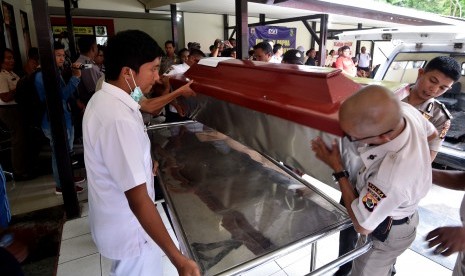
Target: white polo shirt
[[174, 70], [117, 157], [395, 175], [177, 69], [364, 60], [8, 81]]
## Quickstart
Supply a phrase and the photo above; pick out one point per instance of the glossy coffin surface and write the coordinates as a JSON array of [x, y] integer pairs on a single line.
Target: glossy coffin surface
[[276, 109], [307, 95], [232, 208]]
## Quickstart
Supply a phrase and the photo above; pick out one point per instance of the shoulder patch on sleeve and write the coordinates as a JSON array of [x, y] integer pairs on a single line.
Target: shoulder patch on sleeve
[[444, 109], [372, 197], [369, 201]]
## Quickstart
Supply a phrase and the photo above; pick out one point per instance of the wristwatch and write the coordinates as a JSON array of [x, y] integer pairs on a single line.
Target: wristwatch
[[339, 175]]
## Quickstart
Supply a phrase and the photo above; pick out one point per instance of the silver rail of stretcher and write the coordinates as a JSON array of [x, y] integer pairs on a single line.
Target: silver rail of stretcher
[[241, 268]]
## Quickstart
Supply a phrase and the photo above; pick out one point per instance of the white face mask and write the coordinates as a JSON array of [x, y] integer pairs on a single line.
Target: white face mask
[[136, 94]]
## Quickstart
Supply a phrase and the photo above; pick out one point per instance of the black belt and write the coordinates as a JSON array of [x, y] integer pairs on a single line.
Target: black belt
[[400, 221]]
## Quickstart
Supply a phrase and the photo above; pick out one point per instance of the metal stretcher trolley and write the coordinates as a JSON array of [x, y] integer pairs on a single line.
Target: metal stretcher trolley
[[233, 203]]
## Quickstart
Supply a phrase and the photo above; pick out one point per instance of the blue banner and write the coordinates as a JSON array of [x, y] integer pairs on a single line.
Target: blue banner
[[279, 35]]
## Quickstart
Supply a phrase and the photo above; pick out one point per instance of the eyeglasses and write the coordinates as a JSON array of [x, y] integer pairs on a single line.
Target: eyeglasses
[[368, 137]]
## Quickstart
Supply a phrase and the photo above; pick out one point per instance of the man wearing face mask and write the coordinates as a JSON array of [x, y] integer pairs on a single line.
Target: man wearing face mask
[[125, 224]]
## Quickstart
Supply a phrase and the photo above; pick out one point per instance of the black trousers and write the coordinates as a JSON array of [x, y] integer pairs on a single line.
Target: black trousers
[[8, 264], [347, 241]]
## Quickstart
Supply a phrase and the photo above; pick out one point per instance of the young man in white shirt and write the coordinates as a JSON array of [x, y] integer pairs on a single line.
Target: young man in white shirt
[[363, 59], [263, 52], [124, 222]]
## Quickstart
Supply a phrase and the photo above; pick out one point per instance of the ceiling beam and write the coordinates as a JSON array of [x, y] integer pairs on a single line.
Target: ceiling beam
[[153, 4], [347, 10], [112, 14]]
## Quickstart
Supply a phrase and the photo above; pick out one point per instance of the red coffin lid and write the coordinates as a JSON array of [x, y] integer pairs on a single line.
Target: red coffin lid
[[307, 95]]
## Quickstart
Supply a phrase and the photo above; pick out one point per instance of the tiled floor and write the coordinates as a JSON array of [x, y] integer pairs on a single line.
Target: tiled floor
[[79, 256]]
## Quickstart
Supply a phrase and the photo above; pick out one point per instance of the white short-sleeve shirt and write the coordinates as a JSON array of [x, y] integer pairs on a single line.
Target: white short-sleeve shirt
[[395, 175], [174, 70], [117, 157], [177, 69], [364, 60]]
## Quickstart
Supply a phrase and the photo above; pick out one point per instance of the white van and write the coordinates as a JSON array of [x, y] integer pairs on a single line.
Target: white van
[[415, 47]]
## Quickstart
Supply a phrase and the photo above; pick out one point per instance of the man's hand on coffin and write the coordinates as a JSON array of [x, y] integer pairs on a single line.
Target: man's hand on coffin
[[146, 213], [185, 90], [330, 156], [187, 268], [448, 240]]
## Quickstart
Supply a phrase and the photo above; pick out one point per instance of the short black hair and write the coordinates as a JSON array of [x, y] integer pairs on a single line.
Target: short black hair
[[33, 53], [446, 65], [293, 56], [277, 47], [251, 52], [265, 46], [193, 45], [58, 46], [196, 52], [100, 48], [169, 42], [228, 52], [85, 44], [182, 51], [343, 48], [2, 54], [131, 48], [311, 49]]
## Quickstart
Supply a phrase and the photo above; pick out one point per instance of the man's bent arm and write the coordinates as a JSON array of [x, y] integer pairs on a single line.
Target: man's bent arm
[[145, 211], [449, 179]]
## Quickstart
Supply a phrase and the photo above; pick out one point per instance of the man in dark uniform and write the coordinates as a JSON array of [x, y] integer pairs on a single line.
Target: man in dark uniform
[[434, 80]]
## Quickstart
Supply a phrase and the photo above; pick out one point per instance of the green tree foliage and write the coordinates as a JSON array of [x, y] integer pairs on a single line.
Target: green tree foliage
[[443, 7]]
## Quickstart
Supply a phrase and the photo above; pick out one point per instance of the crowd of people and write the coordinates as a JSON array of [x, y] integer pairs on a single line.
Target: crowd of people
[[17, 120], [106, 91], [354, 66]]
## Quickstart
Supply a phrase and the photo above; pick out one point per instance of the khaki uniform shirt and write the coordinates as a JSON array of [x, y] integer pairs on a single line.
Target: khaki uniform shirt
[[439, 116]]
